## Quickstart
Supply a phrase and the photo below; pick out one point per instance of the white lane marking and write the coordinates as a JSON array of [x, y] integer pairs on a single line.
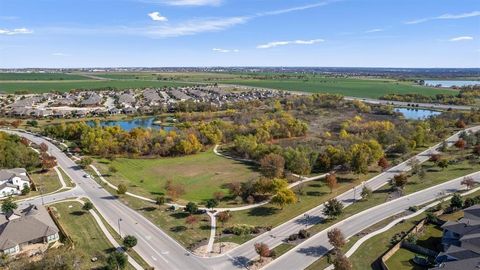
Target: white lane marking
[[155, 259], [154, 250]]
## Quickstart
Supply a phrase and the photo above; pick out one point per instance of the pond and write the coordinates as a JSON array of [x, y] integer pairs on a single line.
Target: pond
[[128, 125], [445, 83], [416, 114]]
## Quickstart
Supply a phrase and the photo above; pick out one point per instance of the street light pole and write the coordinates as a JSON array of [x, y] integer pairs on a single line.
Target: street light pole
[[41, 195], [354, 194], [119, 231]]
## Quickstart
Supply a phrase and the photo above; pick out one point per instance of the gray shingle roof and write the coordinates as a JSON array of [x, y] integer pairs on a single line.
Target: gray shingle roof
[[34, 223]]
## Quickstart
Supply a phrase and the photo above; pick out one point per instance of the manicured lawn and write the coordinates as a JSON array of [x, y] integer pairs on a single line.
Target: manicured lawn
[[64, 86], [46, 182], [282, 249], [314, 194], [345, 86], [201, 174], [87, 236], [373, 248], [436, 175], [171, 222], [119, 240], [402, 260], [430, 237], [452, 216]]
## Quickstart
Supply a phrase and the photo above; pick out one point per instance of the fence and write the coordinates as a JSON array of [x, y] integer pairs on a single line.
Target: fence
[[397, 246], [70, 243]]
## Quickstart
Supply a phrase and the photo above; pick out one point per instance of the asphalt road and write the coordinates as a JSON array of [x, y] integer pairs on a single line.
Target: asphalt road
[[312, 249], [406, 104], [156, 247], [163, 252]]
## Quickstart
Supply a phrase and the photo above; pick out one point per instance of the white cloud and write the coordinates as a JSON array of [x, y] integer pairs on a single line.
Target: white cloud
[[283, 43], [298, 8], [462, 38], [16, 31], [157, 17], [185, 28], [193, 2], [196, 26], [225, 50], [374, 30], [446, 17]]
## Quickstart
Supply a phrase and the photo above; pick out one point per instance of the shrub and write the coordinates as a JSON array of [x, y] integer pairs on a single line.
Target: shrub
[[303, 234], [241, 229], [412, 238], [160, 200], [122, 189], [87, 206], [293, 237], [191, 208], [413, 208]]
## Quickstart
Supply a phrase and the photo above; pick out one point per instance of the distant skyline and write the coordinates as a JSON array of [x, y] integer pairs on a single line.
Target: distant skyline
[[174, 33]]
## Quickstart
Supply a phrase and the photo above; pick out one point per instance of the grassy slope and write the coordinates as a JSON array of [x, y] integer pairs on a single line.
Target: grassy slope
[[202, 174], [87, 236]]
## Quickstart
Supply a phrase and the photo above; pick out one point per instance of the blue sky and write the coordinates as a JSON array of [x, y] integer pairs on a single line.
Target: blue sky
[[356, 33]]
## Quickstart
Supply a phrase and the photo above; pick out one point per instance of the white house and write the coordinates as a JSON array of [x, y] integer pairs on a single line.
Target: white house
[[12, 181]]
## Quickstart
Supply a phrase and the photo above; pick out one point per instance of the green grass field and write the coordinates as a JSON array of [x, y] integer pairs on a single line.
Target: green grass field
[[358, 87], [46, 182], [313, 194], [174, 76], [65, 86], [344, 86], [436, 175], [87, 236], [40, 77], [201, 174]]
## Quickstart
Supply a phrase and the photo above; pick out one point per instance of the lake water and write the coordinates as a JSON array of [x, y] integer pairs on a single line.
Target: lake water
[[451, 83], [416, 114], [128, 125]]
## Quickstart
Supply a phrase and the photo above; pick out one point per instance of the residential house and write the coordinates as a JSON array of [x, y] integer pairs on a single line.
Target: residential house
[[21, 229], [12, 181], [461, 242], [93, 100]]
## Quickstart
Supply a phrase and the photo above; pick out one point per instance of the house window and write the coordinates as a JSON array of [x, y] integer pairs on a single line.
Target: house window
[[12, 250], [52, 237]]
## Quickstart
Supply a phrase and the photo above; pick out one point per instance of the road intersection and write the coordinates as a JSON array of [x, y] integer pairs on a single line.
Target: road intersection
[[163, 252]]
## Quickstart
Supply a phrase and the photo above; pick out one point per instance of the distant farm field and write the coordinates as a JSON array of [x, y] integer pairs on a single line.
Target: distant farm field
[[64, 86], [357, 87], [40, 77], [171, 76], [201, 174], [344, 86]]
